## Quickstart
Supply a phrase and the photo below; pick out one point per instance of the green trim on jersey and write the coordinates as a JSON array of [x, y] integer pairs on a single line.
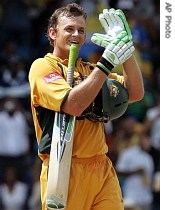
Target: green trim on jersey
[[46, 120]]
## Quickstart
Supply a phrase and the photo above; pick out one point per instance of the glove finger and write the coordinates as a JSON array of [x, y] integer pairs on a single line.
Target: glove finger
[[98, 42], [113, 46], [125, 52], [126, 55], [103, 36], [115, 18], [101, 39], [120, 44], [119, 21], [104, 22], [112, 18], [112, 10], [125, 39], [123, 18], [129, 44], [114, 21], [121, 36], [129, 52], [109, 18], [122, 47], [122, 50], [117, 48]]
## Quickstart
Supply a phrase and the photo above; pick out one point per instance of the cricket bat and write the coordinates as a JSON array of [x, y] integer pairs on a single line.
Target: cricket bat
[[61, 149]]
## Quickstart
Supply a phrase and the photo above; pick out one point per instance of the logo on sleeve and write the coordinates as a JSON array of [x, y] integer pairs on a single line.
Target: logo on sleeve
[[52, 77]]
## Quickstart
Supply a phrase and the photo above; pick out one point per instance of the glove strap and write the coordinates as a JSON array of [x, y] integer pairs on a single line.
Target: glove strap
[[105, 66]]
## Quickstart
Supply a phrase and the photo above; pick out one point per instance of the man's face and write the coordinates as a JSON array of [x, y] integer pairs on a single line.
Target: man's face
[[69, 30]]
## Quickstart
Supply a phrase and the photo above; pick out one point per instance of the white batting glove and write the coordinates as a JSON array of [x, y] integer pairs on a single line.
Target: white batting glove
[[117, 52], [113, 21]]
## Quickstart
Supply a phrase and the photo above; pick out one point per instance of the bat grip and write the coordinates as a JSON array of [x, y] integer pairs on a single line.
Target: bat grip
[[71, 63], [70, 75]]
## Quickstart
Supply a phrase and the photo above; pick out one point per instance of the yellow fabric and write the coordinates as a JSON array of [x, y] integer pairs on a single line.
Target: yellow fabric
[[93, 185], [43, 182], [89, 139]]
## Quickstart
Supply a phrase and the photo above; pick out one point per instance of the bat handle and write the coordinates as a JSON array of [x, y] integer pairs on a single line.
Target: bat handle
[[71, 63], [70, 75]]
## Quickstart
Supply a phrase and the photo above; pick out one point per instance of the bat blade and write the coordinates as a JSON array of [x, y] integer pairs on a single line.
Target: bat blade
[[53, 202], [61, 149], [60, 162]]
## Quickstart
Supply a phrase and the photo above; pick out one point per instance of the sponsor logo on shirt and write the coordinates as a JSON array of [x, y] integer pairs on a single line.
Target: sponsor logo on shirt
[[52, 77]]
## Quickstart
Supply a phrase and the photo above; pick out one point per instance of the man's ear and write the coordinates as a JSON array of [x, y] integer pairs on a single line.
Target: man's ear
[[52, 33]]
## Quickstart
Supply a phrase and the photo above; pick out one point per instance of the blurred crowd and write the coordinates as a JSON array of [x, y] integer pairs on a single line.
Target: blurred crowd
[[133, 139]]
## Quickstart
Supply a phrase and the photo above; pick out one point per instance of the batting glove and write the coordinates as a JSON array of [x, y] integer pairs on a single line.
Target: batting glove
[[113, 21], [116, 53]]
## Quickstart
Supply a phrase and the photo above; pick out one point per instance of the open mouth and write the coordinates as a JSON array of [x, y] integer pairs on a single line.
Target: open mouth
[[74, 42]]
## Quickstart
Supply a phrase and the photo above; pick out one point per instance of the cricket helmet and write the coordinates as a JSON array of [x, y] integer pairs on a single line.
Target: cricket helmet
[[114, 99], [110, 103]]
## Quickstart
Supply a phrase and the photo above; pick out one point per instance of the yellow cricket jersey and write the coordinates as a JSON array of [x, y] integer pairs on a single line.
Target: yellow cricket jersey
[[49, 88]]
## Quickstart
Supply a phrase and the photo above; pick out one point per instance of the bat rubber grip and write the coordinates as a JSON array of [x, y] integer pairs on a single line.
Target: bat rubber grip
[[71, 63]]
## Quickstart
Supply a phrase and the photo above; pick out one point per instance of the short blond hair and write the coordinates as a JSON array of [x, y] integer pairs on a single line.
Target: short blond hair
[[71, 10]]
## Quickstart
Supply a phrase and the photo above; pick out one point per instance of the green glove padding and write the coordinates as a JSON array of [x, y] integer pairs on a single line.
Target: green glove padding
[[116, 53], [114, 22]]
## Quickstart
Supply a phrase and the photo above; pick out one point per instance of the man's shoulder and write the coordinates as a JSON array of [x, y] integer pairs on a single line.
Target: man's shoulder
[[39, 60], [38, 67], [43, 62]]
